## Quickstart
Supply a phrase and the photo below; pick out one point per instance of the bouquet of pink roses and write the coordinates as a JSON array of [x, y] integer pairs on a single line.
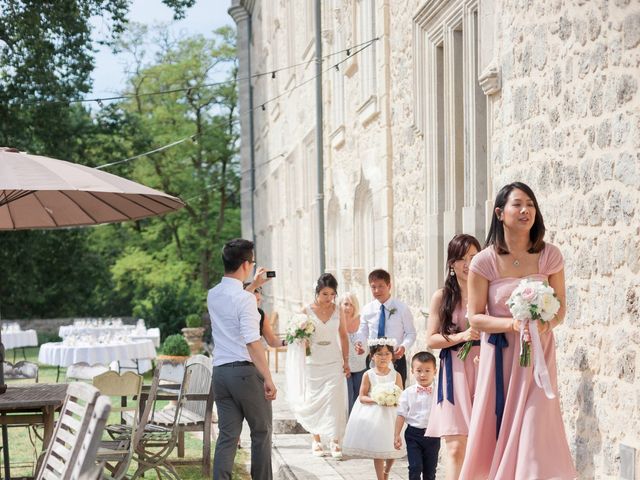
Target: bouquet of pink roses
[[300, 329], [531, 301]]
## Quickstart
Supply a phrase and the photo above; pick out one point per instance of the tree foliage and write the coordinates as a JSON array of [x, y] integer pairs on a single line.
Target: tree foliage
[[157, 268]]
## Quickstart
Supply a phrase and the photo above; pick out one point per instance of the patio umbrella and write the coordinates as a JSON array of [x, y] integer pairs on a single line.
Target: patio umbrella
[[40, 192]]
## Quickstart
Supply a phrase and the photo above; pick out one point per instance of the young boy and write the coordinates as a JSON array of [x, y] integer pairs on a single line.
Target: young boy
[[414, 407]]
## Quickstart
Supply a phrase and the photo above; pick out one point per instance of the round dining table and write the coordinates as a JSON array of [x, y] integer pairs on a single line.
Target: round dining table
[[19, 339], [64, 355]]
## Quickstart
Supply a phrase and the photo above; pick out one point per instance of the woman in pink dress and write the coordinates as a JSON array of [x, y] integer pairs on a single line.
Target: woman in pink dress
[[447, 329], [516, 432]]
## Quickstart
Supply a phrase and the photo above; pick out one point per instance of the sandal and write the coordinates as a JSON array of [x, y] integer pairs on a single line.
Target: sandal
[[317, 450], [336, 452]]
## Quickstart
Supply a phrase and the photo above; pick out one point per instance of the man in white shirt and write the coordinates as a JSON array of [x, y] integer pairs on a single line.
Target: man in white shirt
[[242, 382], [387, 317]]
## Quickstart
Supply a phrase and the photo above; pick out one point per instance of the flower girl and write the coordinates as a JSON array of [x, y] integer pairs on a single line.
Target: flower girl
[[369, 431]]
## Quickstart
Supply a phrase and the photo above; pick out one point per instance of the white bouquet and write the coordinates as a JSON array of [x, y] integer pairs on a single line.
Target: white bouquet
[[531, 301], [300, 328], [386, 394]]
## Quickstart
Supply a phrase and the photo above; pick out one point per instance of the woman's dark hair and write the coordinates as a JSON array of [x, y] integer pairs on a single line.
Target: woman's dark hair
[[451, 294], [376, 348], [235, 252], [495, 236], [326, 280]]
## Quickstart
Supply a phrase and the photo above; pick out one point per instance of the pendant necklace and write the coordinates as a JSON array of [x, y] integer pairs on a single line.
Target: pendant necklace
[[516, 262]]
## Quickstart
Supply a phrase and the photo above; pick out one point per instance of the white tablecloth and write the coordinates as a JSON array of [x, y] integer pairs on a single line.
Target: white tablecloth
[[152, 334], [68, 330], [21, 338], [65, 355]]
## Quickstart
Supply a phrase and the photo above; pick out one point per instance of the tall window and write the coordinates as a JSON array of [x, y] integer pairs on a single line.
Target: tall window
[[333, 241], [337, 97], [291, 34], [452, 114], [309, 174], [364, 248], [367, 31]]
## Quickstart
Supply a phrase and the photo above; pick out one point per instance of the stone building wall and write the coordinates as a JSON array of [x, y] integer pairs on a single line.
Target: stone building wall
[[568, 123], [565, 119]]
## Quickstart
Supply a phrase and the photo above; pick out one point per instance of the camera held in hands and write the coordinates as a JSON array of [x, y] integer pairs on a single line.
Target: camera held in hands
[[271, 274]]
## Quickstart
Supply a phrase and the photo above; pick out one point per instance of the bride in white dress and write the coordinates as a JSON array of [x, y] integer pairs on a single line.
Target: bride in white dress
[[321, 408]]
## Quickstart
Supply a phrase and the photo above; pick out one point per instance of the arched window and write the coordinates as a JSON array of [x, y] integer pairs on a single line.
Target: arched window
[[333, 237], [364, 242]]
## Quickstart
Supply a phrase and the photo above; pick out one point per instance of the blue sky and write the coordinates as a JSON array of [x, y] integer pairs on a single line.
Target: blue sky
[[204, 17]]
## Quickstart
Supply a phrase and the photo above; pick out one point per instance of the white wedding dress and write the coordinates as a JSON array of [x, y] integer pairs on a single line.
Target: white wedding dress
[[321, 407]]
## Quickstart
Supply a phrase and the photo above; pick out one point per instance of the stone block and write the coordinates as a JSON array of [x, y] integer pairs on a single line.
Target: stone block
[[538, 137], [626, 366], [564, 28], [593, 27], [631, 30], [613, 211], [599, 57], [628, 204], [539, 49], [557, 81], [605, 166], [603, 134], [520, 104], [620, 127], [595, 210], [595, 100], [626, 87], [626, 169]]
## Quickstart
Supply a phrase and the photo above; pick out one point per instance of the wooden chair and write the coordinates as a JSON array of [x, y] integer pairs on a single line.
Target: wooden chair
[[85, 467], [70, 431], [196, 412], [84, 371], [154, 442], [117, 452], [21, 370]]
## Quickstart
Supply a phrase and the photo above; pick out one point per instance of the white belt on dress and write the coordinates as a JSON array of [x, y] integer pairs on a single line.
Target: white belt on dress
[[323, 343]]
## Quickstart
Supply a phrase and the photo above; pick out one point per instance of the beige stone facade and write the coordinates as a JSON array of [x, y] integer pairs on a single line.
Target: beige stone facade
[[455, 99]]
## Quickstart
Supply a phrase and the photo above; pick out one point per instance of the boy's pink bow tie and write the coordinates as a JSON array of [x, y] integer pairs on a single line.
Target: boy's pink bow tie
[[424, 389]]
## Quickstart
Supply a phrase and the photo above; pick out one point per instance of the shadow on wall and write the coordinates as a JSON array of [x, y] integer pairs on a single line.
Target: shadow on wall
[[588, 436]]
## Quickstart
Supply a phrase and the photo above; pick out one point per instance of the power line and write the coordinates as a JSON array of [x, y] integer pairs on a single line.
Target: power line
[[193, 137], [273, 73], [280, 155], [155, 150], [262, 105]]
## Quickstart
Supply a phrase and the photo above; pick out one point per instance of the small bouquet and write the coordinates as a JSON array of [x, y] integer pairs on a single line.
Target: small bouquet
[[530, 301], [300, 328], [466, 348], [386, 394]]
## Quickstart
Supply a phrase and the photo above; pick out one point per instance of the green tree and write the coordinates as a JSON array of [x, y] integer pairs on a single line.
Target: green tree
[[168, 262]]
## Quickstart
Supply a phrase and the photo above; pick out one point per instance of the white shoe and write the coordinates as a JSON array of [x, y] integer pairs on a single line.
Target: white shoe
[[317, 450], [336, 451]]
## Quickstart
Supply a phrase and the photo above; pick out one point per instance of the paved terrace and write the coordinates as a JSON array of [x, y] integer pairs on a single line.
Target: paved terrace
[[292, 459]]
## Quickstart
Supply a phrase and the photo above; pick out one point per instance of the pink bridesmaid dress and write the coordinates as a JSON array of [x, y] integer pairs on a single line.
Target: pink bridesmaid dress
[[451, 409], [531, 444]]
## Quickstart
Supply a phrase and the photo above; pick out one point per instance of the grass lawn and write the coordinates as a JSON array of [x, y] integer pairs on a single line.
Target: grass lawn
[[23, 454]]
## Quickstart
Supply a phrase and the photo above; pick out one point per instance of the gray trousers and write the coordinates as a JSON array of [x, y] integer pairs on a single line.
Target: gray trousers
[[239, 394]]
